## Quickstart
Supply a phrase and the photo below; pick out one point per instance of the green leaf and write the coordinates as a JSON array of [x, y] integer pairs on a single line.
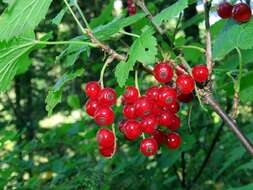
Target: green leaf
[[55, 93], [233, 36], [143, 50], [74, 101], [170, 11], [245, 187], [58, 18], [12, 56], [24, 16]]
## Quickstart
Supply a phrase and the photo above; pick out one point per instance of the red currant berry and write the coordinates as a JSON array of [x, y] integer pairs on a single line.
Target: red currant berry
[[129, 111], [131, 94], [173, 108], [149, 124], [149, 146], [173, 140], [91, 107], [163, 72], [104, 116], [153, 92], [159, 136], [175, 123], [167, 96], [107, 97], [156, 109], [107, 152], [241, 12], [185, 98], [92, 89], [143, 107], [185, 84], [225, 10], [200, 73], [105, 138], [165, 119], [122, 126], [132, 130]]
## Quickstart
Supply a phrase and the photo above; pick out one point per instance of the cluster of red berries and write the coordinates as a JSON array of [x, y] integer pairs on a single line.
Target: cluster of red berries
[[240, 12], [99, 108], [131, 7], [143, 114]]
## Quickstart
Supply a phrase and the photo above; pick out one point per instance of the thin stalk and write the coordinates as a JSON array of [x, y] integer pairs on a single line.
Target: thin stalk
[[82, 15], [64, 42], [129, 34], [102, 74], [192, 47]]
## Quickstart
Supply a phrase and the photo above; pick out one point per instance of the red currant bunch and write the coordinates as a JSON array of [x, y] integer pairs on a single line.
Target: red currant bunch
[[131, 7], [240, 12], [99, 108]]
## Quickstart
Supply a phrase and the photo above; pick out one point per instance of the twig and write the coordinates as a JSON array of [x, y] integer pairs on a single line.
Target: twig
[[207, 6], [229, 121]]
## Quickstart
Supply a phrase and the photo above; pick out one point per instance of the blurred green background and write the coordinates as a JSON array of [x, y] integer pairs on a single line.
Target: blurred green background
[[44, 152]]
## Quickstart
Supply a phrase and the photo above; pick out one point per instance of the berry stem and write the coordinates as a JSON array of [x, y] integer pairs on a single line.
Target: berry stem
[[202, 50], [238, 86], [129, 34], [74, 16], [81, 14], [136, 81], [107, 62], [115, 139]]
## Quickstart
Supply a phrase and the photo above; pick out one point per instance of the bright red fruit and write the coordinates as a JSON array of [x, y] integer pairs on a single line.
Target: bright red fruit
[[105, 138], [92, 89], [200, 73], [241, 12], [167, 96], [225, 10], [143, 107], [132, 130], [165, 119], [159, 136], [175, 123], [149, 124], [185, 98], [131, 7], [185, 84], [131, 94], [107, 97], [153, 92], [163, 72], [173, 140], [104, 116], [149, 146], [129, 111], [107, 152], [91, 107], [173, 108]]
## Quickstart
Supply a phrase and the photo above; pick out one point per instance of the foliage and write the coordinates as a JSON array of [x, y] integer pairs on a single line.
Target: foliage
[[48, 142]]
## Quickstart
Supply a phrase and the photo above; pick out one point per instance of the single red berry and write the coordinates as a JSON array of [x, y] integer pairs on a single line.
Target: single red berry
[[153, 92], [143, 107], [185, 98], [107, 97], [91, 107], [156, 109], [241, 12], [225, 10], [175, 123], [185, 84], [122, 126], [173, 140], [104, 116], [131, 94], [165, 119], [167, 96], [149, 124], [173, 108], [107, 152], [159, 136], [129, 111], [105, 138], [163, 72], [92, 89], [149, 146], [200, 73], [132, 130]]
